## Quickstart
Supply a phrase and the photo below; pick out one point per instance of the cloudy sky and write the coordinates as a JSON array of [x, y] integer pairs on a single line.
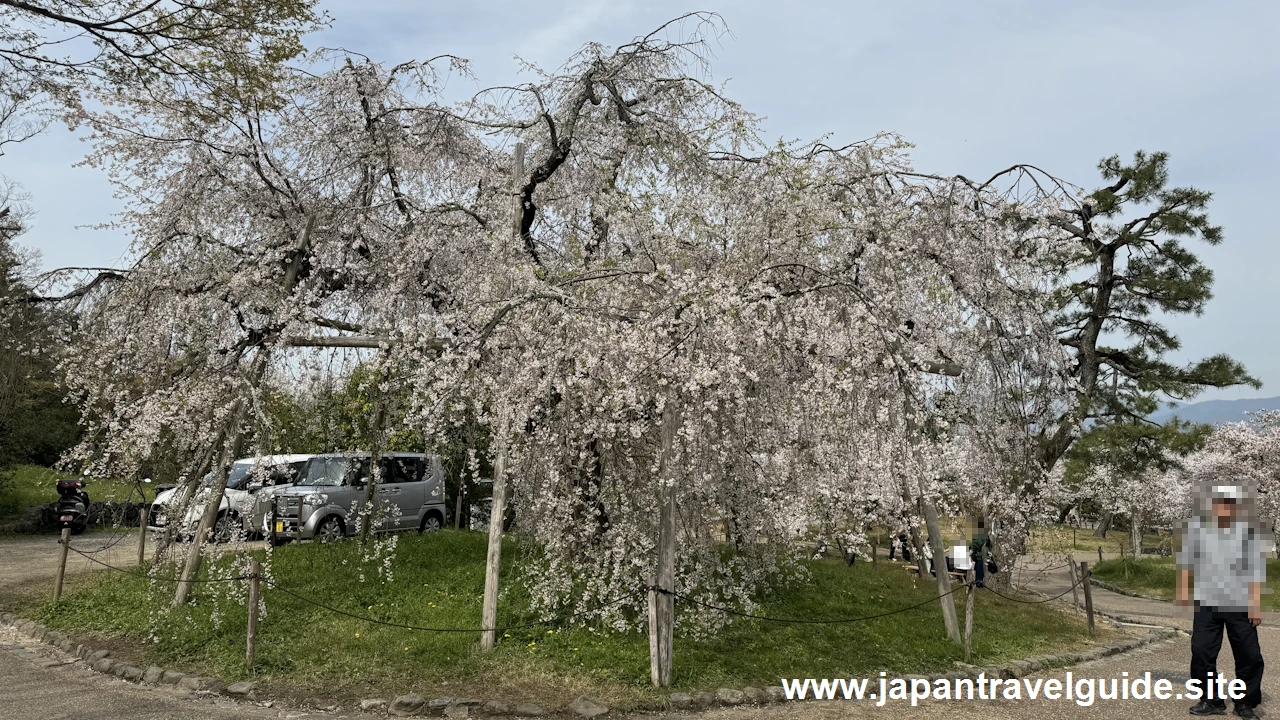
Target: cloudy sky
[[976, 86]]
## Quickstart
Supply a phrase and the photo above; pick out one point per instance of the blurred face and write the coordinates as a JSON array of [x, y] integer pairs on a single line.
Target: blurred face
[[1224, 509]]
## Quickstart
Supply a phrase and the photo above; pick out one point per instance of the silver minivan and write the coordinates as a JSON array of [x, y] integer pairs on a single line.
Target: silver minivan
[[325, 502]]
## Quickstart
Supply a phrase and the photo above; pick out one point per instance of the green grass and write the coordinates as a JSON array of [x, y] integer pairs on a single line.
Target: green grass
[[438, 582], [26, 486], [1156, 577]]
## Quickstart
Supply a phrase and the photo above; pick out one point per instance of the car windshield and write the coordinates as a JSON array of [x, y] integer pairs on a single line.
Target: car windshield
[[324, 471], [239, 475]]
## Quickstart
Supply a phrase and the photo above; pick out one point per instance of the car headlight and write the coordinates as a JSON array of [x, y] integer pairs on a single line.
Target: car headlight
[[314, 499]]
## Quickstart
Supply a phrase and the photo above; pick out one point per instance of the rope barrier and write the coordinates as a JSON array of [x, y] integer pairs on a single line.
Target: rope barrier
[[562, 618], [90, 558], [1036, 602], [375, 621]]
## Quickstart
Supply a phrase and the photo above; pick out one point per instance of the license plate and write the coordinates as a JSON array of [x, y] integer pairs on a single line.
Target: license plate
[[279, 526], [67, 518]]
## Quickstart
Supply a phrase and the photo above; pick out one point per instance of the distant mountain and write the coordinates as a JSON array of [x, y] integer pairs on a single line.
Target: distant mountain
[[1216, 412]]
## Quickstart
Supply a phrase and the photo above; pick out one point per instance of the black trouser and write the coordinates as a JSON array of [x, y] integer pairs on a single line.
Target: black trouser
[[1206, 641]]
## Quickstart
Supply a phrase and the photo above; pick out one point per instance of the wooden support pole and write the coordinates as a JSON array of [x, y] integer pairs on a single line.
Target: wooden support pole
[[968, 615], [144, 519], [1088, 594], [497, 513], [489, 612], [62, 563], [255, 589], [662, 605], [1075, 582]]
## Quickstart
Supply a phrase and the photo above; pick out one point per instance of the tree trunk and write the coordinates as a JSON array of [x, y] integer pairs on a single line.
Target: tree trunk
[[176, 513], [1104, 525], [230, 449]]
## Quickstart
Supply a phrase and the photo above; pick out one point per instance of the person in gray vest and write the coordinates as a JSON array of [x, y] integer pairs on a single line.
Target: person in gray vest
[[1223, 556]]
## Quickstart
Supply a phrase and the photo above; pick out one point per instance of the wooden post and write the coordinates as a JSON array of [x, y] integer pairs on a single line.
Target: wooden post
[[62, 563], [1099, 553], [662, 605], [968, 615], [255, 575], [144, 519], [1075, 590], [497, 513], [489, 612], [1088, 594]]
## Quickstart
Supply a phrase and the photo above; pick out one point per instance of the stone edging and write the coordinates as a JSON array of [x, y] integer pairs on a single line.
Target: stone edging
[[413, 704], [1122, 591]]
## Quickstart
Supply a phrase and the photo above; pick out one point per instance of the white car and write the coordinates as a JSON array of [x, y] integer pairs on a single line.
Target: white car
[[235, 515]]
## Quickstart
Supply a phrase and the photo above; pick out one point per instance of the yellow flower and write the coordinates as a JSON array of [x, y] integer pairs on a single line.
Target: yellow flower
[[357, 634], [506, 634], [406, 649], [550, 632]]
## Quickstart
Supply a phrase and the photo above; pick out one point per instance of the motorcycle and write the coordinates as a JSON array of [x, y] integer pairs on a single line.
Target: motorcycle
[[73, 505]]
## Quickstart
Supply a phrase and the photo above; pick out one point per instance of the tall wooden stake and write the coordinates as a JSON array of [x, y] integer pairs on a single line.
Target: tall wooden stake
[[62, 563], [1075, 591], [489, 613], [255, 575], [1088, 594], [968, 616], [662, 604], [144, 519]]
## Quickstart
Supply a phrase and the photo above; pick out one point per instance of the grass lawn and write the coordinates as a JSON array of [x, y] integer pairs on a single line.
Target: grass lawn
[[438, 582], [1155, 577], [26, 486]]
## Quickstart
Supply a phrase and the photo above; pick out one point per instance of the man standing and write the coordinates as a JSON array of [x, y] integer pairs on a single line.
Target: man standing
[[1224, 557]]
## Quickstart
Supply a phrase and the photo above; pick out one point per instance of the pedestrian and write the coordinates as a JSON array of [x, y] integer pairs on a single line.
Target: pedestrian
[[1223, 556], [903, 545], [979, 547]]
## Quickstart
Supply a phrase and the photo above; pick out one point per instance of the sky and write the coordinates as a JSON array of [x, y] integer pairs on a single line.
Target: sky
[[975, 86]]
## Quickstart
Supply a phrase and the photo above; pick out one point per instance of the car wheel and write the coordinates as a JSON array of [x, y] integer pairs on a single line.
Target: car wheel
[[222, 530], [79, 528], [330, 530], [430, 523]]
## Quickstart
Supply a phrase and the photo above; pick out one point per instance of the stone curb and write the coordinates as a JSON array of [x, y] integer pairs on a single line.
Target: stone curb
[[101, 661], [726, 697], [414, 705]]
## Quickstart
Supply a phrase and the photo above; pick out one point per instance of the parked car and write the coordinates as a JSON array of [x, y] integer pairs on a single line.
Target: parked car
[[247, 478], [325, 503]]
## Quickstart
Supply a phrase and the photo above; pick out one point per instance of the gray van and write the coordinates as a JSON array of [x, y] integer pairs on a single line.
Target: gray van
[[325, 501]]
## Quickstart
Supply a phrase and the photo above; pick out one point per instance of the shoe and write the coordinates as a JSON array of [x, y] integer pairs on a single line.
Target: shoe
[[1204, 707], [1246, 712]]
